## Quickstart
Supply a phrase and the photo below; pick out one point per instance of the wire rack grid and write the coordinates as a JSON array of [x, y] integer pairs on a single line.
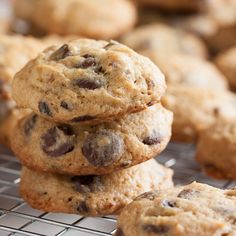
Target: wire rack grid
[[19, 219]]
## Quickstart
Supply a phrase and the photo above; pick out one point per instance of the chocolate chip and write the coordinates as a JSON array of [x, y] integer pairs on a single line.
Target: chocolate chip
[[61, 53], [119, 232], [99, 70], [53, 142], [90, 84], [148, 195], [29, 124], [167, 203], [188, 193], [153, 139], [158, 229], [44, 108], [83, 208], [66, 105], [67, 129], [88, 62], [103, 148], [82, 118], [83, 184]]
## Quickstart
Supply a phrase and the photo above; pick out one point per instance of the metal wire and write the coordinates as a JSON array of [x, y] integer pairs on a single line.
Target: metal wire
[[17, 218]]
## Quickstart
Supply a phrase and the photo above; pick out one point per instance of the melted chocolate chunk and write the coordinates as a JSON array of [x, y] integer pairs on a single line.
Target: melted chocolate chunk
[[88, 62], [84, 184], [90, 84], [148, 195], [103, 148], [82, 118], [61, 53], [153, 139], [66, 105], [29, 124], [188, 193], [83, 208], [167, 203], [52, 144], [44, 108], [67, 129], [157, 229], [119, 232]]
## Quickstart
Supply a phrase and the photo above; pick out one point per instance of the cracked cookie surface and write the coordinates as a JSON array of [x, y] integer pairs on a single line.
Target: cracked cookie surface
[[195, 209], [88, 81]]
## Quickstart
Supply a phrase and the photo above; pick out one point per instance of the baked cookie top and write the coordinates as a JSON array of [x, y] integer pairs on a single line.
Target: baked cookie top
[[92, 195], [100, 19], [195, 209], [92, 149], [158, 40], [88, 80]]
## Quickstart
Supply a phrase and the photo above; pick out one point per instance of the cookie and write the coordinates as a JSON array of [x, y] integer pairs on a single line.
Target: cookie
[[159, 40], [217, 25], [195, 209], [92, 19], [216, 151], [92, 195], [226, 61], [173, 5], [8, 124], [88, 81], [15, 52], [195, 109], [92, 149], [193, 72]]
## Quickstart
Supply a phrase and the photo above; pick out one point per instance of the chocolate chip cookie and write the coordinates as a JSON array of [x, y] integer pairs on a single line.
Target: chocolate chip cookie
[[8, 123], [216, 149], [92, 149], [92, 195], [226, 61], [195, 209], [93, 19], [195, 109], [88, 81], [159, 40]]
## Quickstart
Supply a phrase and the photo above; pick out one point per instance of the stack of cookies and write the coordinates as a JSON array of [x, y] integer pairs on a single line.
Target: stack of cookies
[[96, 115]]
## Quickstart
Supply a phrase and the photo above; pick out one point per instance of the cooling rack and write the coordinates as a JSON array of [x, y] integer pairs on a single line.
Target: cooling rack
[[19, 219]]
